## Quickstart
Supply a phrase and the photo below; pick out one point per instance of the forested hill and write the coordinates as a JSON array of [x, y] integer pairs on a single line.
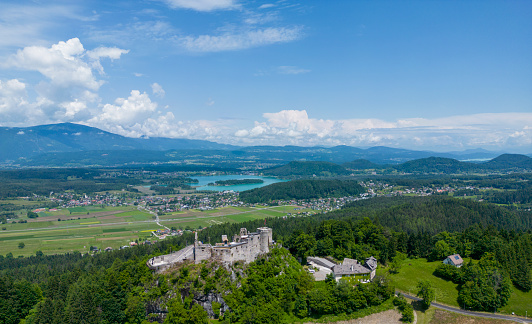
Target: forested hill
[[502, 163], [510, 161], [434, 214], [436, 165], [362, 164], [308, 169], [302, 189]]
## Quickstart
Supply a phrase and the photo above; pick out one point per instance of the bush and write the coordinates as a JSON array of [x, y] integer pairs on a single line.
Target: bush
[[449, 272], [406, 309], [408, 314]]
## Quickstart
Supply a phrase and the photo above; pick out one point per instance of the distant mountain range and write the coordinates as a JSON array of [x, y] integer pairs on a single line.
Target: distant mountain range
[[25, 142], [75, 145]]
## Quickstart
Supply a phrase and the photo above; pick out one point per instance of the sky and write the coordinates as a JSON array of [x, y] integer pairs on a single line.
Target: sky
[[426, 75]]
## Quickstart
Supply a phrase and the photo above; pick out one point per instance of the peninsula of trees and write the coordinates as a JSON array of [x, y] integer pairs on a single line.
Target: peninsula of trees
[[232, 182]]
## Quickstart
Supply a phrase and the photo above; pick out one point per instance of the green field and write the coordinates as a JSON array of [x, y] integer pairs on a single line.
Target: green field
[[82, 227], [419, 269], [446, 291]]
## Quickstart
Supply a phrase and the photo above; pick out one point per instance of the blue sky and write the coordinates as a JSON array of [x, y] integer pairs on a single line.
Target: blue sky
[[431, 75]]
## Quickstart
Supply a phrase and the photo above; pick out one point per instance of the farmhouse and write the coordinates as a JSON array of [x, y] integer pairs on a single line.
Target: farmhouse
[[454, 260]]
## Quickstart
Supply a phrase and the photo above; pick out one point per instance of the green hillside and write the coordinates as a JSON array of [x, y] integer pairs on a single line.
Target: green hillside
[[308, 169], [436, 165], [302, 189]]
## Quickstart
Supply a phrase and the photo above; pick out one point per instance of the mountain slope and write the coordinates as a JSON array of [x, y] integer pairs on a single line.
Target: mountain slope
[[24, 142], [308, 169]]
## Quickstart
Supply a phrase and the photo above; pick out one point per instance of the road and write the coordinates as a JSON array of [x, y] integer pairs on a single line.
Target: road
[[471, 313]]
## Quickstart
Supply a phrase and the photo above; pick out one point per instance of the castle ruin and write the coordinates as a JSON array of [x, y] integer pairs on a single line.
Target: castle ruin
[[246, 247]]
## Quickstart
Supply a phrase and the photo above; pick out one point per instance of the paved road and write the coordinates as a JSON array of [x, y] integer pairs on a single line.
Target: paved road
[[471, 313]]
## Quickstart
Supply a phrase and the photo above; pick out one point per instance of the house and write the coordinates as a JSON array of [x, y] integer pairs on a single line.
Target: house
[[454, 260], [351, 268]]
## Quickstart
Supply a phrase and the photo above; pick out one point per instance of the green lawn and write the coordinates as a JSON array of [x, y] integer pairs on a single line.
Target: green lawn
[[519, 303], [418, 269], [446, 291]]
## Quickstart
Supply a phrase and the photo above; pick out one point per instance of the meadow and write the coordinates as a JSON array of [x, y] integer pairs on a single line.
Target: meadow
[[446, 292]]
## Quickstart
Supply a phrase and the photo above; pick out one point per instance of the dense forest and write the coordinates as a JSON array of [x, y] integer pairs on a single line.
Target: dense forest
[[232, 182], [307, 169], [117, 287], [24, 183], [302, 189]]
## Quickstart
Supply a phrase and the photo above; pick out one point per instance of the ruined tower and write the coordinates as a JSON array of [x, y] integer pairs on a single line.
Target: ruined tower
[[265, 236]]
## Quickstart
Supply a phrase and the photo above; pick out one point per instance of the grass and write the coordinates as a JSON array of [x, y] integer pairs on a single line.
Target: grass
[[417, 269], [519, 303], [447, 292]]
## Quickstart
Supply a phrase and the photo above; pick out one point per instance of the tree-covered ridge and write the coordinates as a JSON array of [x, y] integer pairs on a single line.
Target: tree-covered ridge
[[302, 189], [442, 165], [510, 161], [307, 169], [434, 214], [362, 164], [436, 165], [232, 182]]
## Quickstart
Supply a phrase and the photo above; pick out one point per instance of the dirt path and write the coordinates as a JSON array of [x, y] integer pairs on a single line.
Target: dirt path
[[388, 317]]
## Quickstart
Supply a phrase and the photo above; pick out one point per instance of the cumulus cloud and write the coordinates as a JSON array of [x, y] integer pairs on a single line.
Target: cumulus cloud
[[295, 127], [13, 98], [61, 63], [66, 88], [138, 106], [157, 90], [237, 41]]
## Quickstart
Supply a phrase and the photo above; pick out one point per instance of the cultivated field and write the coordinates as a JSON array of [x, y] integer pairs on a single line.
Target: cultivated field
[[76, 229]]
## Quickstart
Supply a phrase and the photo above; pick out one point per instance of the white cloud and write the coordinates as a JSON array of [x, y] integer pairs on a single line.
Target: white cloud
[[157, 90], [112, 53], [137, 107], [66, 90], [291, 70], [267, 5], [13, 98], [491, 131], [202, 5], [61, 63], [243, 40]]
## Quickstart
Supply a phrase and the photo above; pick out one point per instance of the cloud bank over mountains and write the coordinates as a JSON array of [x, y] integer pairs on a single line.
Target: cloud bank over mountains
[[70, 80], [65, 80]]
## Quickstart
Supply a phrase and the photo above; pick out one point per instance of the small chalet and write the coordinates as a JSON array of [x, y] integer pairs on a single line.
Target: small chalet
[[454, 260]]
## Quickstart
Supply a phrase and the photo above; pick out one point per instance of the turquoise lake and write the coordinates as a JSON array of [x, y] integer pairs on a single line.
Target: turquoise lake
[[203, 181]]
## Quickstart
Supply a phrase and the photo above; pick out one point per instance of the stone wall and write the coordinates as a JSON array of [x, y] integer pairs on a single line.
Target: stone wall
[[250, 246]]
